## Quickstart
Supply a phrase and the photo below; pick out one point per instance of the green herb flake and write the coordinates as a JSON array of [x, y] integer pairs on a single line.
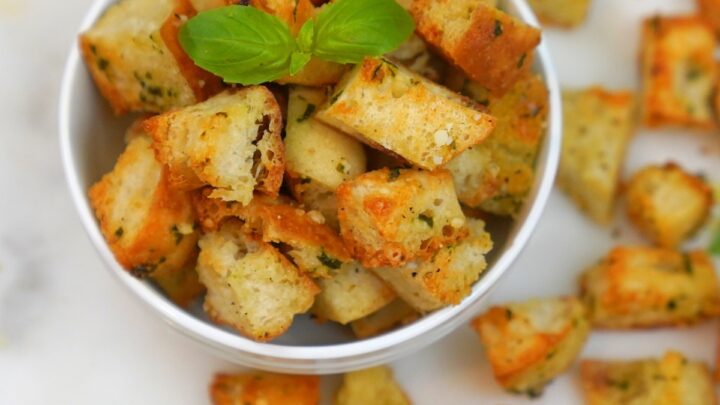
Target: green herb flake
[[119, 232], [305, 180], [671, 305], [329, 261], [622, 385], [498, 29], [340, 168], [309, 110], [509, 314], [177, 234], [687, 263], [143, 270], [714, 248], [394, 174], [427, 219], [521, 62], [103, 63]]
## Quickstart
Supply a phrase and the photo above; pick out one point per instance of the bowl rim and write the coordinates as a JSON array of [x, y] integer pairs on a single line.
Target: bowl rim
[[326, 358]]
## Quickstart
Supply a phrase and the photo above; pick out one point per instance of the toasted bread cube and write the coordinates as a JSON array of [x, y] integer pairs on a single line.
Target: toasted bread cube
[[371, 386], [318, 157], [416, 55], [667, 204], [562, 13], [491, 47], [148, 225], [230, 142], [265, 389], [351, 293], [710, 11], [250, 285], [530, 343], [135, 58], [496, 175], [445, 278], [679, 72], [394, 314], [645, 287], [393, 109], [598, 125], [670, 380], [389, 217]]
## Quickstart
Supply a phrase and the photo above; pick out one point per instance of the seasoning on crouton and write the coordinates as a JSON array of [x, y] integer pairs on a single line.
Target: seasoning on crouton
[[491, 47], [710, 11], [562, 13], [598, 125], [530, 343], [265, 389], [251, 286], [394, 314], [133, 54], [679, 72], [371, 386], [318, 157], [496, 175], [393, 109], [446, 277], [389, 217], [646, 287], [670, 380], [230, 142], [148, 225], [668, 204], [350, 293]]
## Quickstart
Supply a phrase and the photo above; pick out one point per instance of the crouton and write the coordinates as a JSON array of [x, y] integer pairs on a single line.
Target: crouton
[[250, 285], [496, 175], [265, 389], [679, 72], [445, 278], [230, 142], [318, 157], [561, 13], [371, 386], [389, 217], [598, 125], [530, 343], [415, 55], [148, 225], [135, 58], [394, 314], [646, 287], [710, 11], [667, 204], [670, 380], [392, 109], [351, 293], [491, 47]]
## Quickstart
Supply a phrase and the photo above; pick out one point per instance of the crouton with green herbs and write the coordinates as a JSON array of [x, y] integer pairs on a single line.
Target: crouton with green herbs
[[264, 389], [371, 386]]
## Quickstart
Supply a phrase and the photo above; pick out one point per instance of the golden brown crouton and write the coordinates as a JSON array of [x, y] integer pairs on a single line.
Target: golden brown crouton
[[646, 287], [389, 217], [393, 109], [230, 142], [265, 389], [374, 386], [710, 11], [496, 175], [672, 380], [148, 225], [446, 277], [416, 55], [392, 315], [530, 343], [133, 54], [679, 72], [250, 285], [563, 13], [491, 47], [597, 126], [668, 204]]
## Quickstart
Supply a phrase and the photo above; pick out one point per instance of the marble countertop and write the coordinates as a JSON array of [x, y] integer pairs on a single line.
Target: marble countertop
[[69, 334]]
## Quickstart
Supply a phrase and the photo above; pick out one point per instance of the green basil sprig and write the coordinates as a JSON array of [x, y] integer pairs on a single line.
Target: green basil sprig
[[245, 45]]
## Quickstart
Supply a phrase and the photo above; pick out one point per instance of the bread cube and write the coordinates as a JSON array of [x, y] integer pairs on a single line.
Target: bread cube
[[446, 277], [416, 55], [679, 72], [251, 286], [230, 142], [530, 343], [371, 386], [392, 109], [667, 204], [496, 175], [670, 380], [598, 125], [265, 389], [394, 314], [562, 13], [389, 217], [710, 11], [148, 225], [646, 287], [491, 47]]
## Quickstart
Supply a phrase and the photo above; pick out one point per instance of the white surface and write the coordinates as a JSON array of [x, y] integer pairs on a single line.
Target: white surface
[[71, 335]]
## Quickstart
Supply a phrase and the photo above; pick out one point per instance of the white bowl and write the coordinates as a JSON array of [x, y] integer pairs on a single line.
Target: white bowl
[[91, 138]]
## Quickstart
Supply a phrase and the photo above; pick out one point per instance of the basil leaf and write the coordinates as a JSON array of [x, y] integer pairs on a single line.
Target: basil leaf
[[715, 245], [298, 60], [306, 36], [347, 31], [240, 44]]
